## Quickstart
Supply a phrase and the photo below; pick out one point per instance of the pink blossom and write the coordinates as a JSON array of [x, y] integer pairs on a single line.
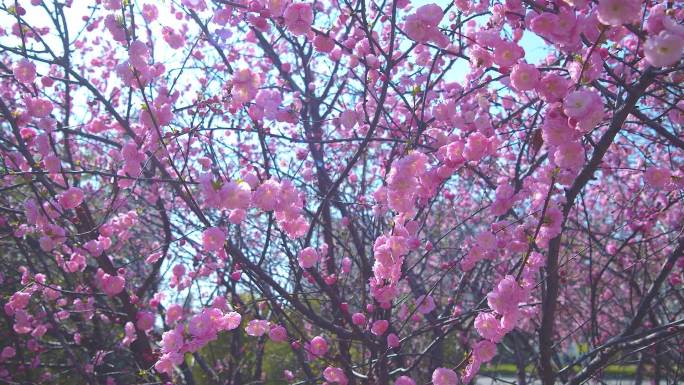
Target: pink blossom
[[552, 87], [578, 103], [379, 327], [167, 361], [7, 352], [235, 195], [488, 326], [657, 177], [145, 320], [213, 239], [308, 257], [139, 55], [664, 49], [202, 326], [404, 380], [569, 155], [504, 299], [231, 320], [173, 313], [245, 86], [298, 18], [25, 71], [444, 376], [422, 26], [278, 334], [393, 340], [618, 12], [150, 12], [543, 24], [175, 40], [524, 77], [39, 107], [257, 327], [426, 304], [172, 340], [130, 334], [318, 346], [335, 375], [266, 195], [476, 148], [19, 300], [115, 28], [112, 4], [506, 53], [484, 351], [71, 198], [324, 43], [112, 284], [358, 319]]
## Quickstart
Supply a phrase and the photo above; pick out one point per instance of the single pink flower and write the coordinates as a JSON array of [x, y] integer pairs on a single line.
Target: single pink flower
[[257, 327], [112, 284], [664, 49], [298, 18], [71, 198], [323, 43], [393, 340], [379, 327], [404, 380], [552, 87], [488, 326], [425, 304], [173, 313], [266, 195], [213, 239], [231, 320], [657, 177], [278, 334], [8, 352], [577, 104], [358, 319], [484, 351], [25, 71], [172, 340], [335, 375], [618, 12], [308, 258], [524, 77], [444, 376], [318, 346]]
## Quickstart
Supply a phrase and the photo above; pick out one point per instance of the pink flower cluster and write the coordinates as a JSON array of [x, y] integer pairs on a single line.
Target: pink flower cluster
[[237, 196], [202, 328], [423, 25], [245, 85], [133, 159], [484, 247], [665, 44], [561, 28], [389, 252], [287, 203], [137, 70], [110, 284], [504, 302], [403, 182]]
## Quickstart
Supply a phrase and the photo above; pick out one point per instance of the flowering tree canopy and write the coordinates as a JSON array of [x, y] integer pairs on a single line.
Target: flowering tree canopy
[[340, 191]]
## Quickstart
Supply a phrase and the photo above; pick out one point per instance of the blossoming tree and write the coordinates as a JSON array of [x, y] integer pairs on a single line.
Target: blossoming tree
[[380, 192]]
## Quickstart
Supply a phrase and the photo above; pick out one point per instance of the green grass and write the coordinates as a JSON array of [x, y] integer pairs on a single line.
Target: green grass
[[610, 371]]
